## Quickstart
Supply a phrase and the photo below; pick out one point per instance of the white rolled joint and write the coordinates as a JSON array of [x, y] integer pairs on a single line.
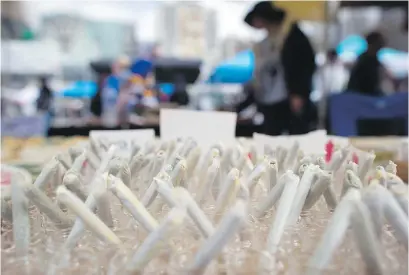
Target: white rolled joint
[[272, 173], [155, 240], [351, 180], [204, 225], [320, 161], [20, 215], [203, 190], [47, 206], [281, 156], [62, 160], [92, 221], [133, 205], [292, 156], [396, 217], [151, 193], [366, 166], [78, 162], [283, 212], [73, 182], [178, 175], [102, 202], [330, 197], [157, 164], [48, 173], [352, 166], [228, 227], [75, 151], [400, 192], [273, 196], [192, 161], [228, 191], [391, 167], [94, 146], [334, 233], [365, 237], [321, 185], [254, 177], [336, 161], [106, 159], [79, 226], [136, 164], [136, 148], [372, 197], [302, 192]]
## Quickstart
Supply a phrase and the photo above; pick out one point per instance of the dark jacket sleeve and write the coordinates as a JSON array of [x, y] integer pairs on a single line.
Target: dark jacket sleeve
[[298, 58], [248, 90]]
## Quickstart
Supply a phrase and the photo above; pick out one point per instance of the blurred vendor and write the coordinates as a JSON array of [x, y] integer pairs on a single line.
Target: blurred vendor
[[180, 95], [110, 81], [45, 98], [284, 68], [367, 72]]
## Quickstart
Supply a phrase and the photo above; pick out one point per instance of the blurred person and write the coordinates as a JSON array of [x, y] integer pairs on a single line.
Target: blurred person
[[46, 95], [111, 91], [96, 101], [124, 102], [283, 74], [334, 76], [367, 72], [180, 95]]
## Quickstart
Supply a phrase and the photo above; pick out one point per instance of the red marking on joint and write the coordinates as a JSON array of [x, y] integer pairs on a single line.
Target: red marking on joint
[[329, 150], [5, 178], [355, 158]]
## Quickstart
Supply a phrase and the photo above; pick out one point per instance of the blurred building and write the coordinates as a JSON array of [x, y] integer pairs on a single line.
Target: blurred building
[[13, 25], [77, 46], [233, 45], [83, 40], [186, 30], [101, 38], [114, 38]]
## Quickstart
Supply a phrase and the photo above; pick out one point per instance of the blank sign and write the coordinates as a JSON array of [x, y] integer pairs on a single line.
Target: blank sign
[[206, 128]]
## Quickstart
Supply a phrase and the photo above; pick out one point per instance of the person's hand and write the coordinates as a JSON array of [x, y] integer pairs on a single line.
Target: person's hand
[[296, 103]]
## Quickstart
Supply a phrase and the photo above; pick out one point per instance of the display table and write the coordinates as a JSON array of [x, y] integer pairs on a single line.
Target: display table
[[243, 129]]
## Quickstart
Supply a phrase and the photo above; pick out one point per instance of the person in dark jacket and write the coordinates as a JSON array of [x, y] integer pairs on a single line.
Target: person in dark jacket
[[180, 95], [367, 72], [46, 95], [96, 101], [284, 68]]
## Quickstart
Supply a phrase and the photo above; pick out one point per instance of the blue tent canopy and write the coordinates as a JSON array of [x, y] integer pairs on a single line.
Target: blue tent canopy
[[353, 46], [396, 61], [80, 89], [236, 70]]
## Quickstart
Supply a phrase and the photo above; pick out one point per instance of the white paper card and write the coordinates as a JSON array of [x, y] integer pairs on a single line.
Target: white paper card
[[124, 138], [311, 143], [206, 127]]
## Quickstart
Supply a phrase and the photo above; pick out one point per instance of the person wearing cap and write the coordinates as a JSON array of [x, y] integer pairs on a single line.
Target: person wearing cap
[[283, 74]]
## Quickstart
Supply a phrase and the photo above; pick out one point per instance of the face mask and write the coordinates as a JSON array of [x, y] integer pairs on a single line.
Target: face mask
[[259, 34]]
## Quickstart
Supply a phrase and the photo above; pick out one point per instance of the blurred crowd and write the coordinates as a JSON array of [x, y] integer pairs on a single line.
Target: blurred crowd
[[285, 67], [284, 77]]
